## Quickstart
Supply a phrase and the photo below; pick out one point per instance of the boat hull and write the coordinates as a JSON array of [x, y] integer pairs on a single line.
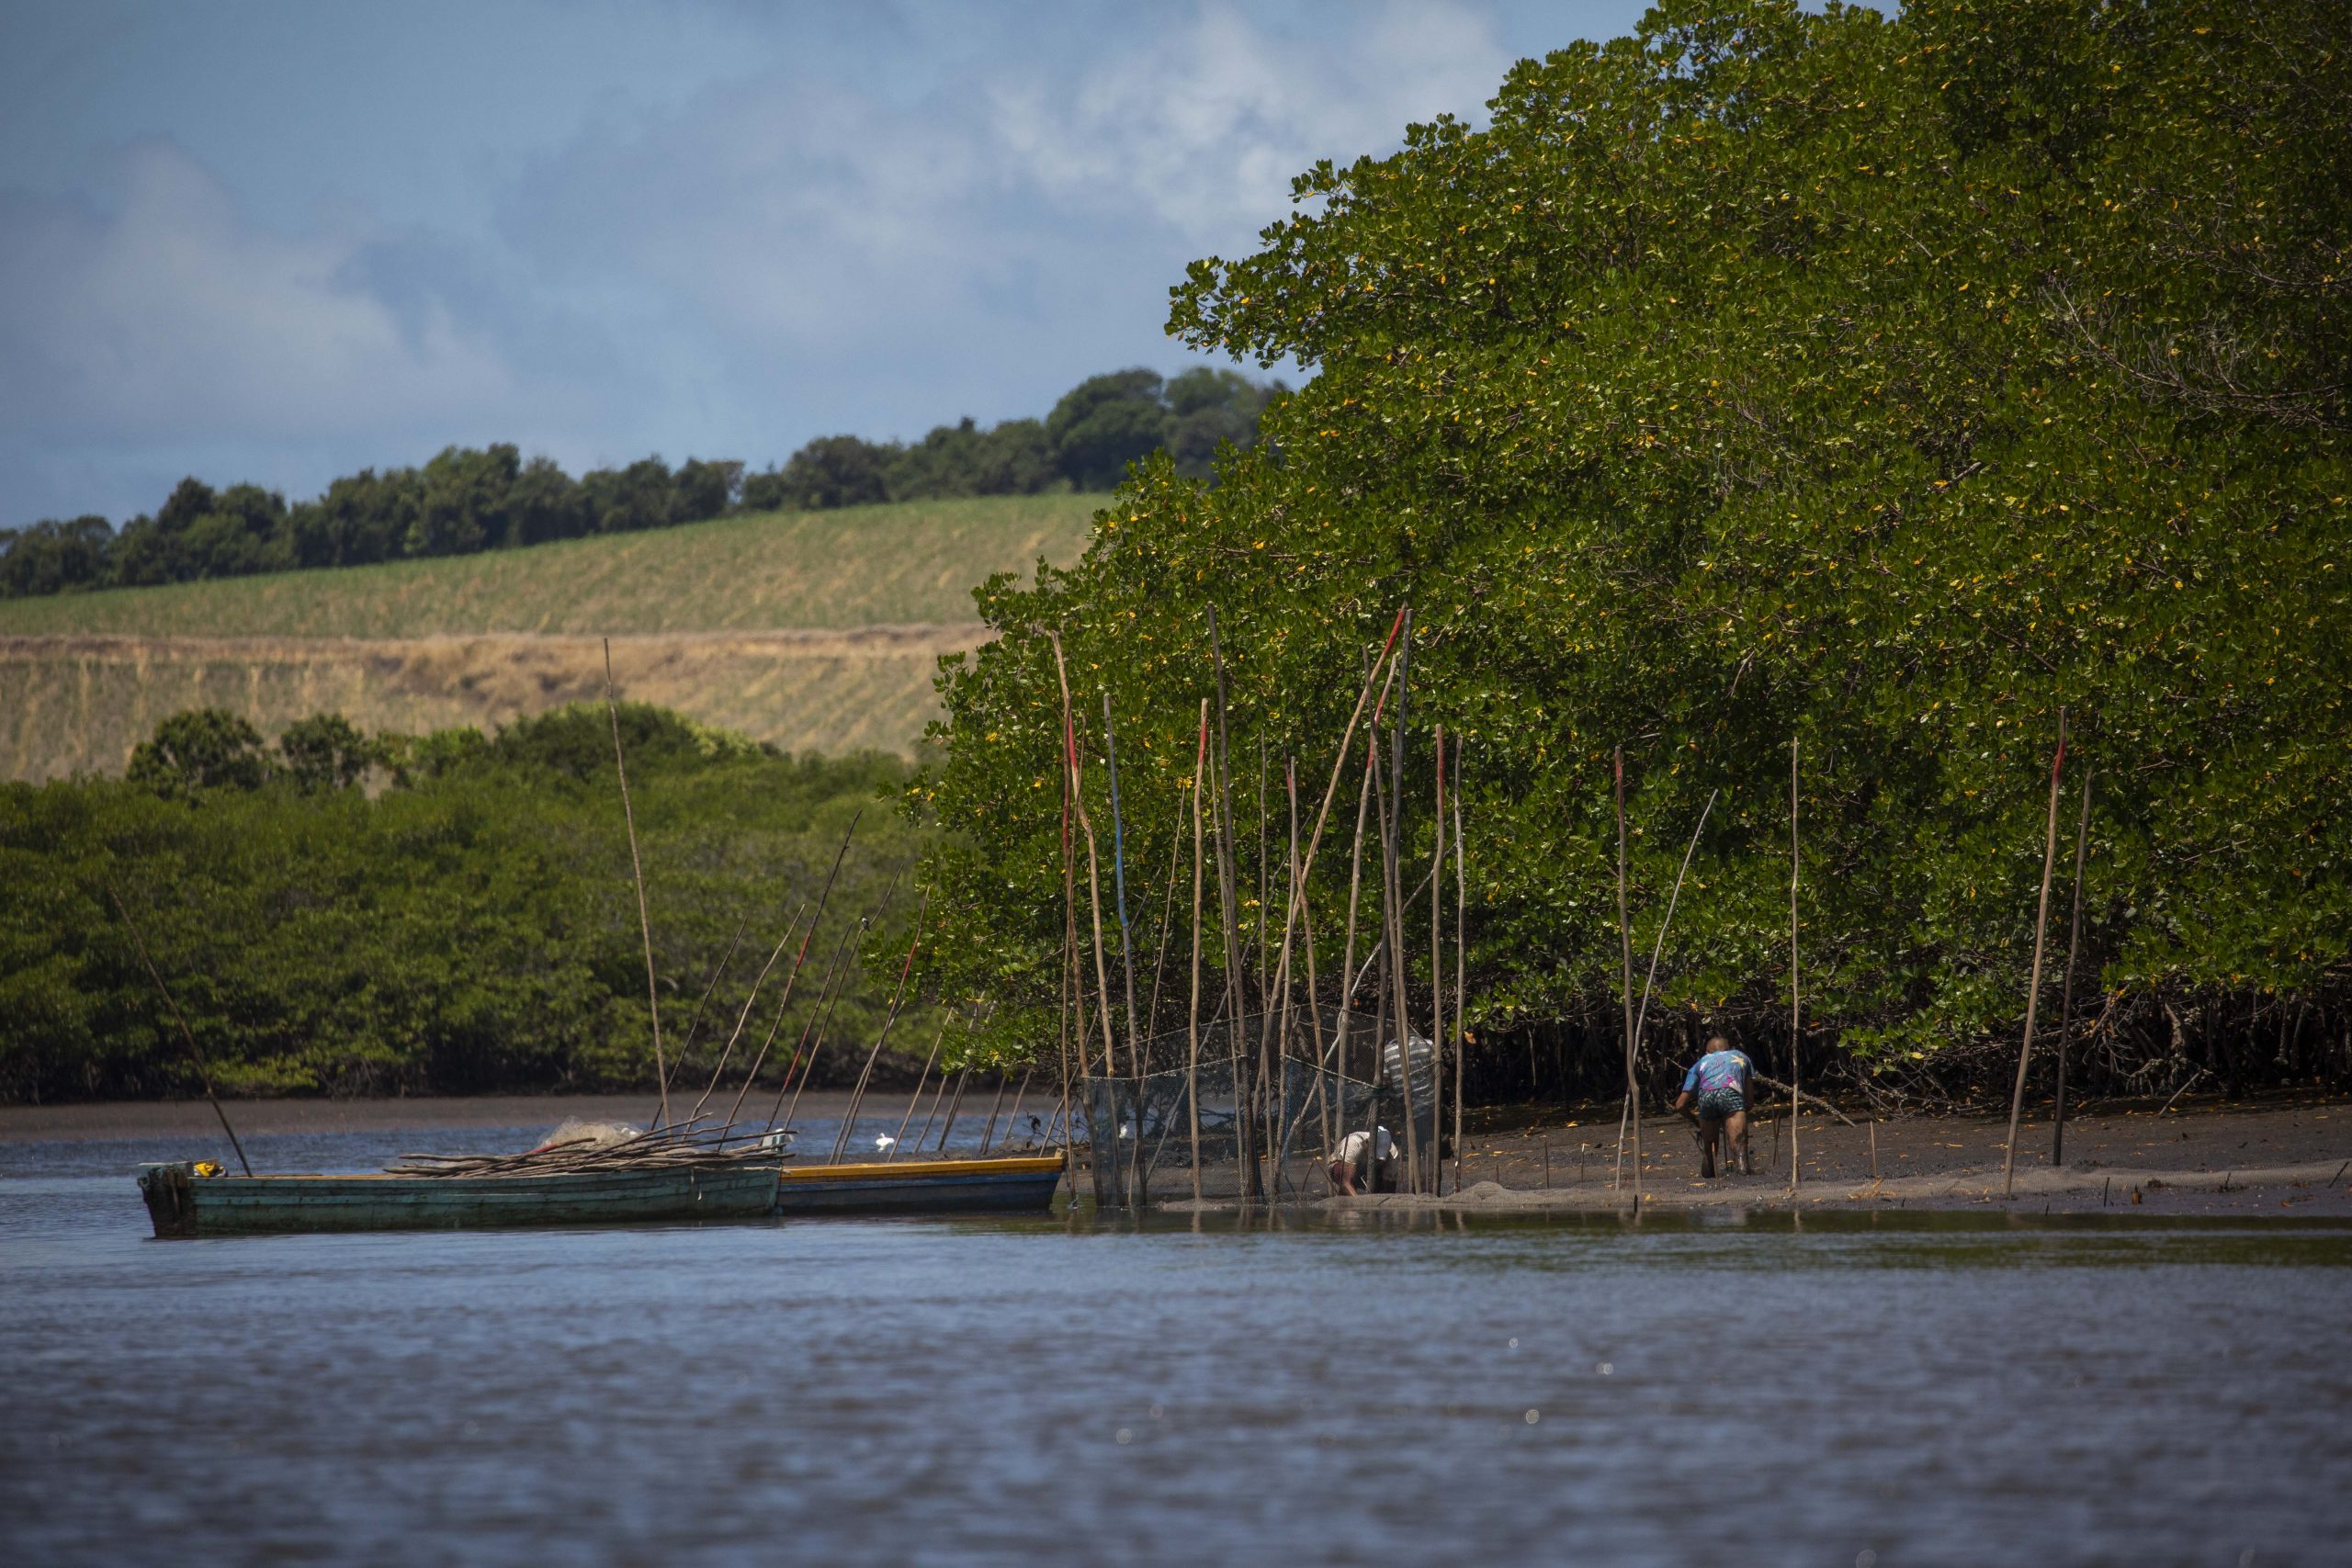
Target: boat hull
[[184, 1205], [920, 1187]]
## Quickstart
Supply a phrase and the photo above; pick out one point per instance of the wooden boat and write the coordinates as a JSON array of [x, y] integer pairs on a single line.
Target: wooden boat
[[919, 1186], [182, 1204]]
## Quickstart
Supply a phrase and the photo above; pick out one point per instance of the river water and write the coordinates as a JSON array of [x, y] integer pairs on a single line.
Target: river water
[[1867, 1390]]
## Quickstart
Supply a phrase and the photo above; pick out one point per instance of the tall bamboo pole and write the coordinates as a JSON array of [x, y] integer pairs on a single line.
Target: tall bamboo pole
[[636, 869], [1348, 947], [1192, 1034], [822, 1017], [694, 1025], [1461, 964], [1074, 989], [187, 1035], [1167, 925], [1437, 977], [1396, 849], [750, 999], [1796, 1173], [920, 1078], [1625, 946], [898, 998], [2073, 945], [1137, 1176], [792, 979], [1391, 959], [1245, 1130], [2033, 986]]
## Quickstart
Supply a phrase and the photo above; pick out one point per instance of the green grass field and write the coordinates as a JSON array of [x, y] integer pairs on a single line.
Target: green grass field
[[816, 631], [915, 562]]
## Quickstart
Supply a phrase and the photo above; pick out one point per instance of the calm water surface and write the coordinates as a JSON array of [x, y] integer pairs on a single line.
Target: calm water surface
[[1920, 1389]]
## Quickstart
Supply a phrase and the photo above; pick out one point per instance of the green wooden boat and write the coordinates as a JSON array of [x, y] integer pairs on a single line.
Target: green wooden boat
[[183, 1204]]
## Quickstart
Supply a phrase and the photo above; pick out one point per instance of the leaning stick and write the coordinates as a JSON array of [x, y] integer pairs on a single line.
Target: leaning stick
[[824, 897], [1632, 1113], [2073, 945], [939, 1094], [988, 1132], [2033, 986], [741, 1017], [898, 1000], [694, 1028], [187, 1036], [1167, 922], [1192, 1030], [945, 1018], [1658, 946], [1795, 1173], [821, 1016], [637, 868], [1460, 964], [1769, 1081]]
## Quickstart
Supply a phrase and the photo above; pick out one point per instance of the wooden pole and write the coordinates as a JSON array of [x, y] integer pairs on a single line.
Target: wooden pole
[[1437, 977], [187, 1035], [1462, 965], [749, 999], [1348, 948], [1137, 1174], [636, 869], [1167, 925], [988, 1132], [792, 978], [1074, 1042], [1657, 947], [1391, 959], [1245, 1130], [916, 1099], [1193, 1032], [898, 998], [1796, 1176], [694, 1026], [1626, 944], [820, 1018], [931, 1116], [1394, 818], [2073, 945], [2033, 986]]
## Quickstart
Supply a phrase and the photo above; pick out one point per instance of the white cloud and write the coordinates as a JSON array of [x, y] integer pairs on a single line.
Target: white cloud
[[1203, 129], [162, 313]]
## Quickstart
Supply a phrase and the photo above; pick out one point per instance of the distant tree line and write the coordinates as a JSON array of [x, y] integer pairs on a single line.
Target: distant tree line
[[443, 913], [471, 499]]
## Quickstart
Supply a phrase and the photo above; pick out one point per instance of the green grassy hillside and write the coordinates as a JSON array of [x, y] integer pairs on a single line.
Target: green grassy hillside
[[913, 562], [817, 631]]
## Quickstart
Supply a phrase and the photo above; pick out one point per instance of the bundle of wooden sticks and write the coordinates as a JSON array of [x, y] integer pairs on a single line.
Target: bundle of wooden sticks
[[699, 1141]]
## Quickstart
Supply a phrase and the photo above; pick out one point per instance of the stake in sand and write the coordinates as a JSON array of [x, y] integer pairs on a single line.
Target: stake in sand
[[2033, 986]]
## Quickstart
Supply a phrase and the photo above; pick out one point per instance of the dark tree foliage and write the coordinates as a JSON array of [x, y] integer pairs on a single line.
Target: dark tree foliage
[[327, 752], [1885, 381], [473, 927], [203, 748]]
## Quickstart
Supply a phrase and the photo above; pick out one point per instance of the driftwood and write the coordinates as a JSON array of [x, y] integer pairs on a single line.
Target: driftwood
[[1801, 1095]]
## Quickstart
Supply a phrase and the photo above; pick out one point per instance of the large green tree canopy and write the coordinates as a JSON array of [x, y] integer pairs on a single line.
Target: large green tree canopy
[[1882, 382]]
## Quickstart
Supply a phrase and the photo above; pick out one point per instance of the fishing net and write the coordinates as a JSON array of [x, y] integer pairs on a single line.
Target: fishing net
[[1301, 1105]]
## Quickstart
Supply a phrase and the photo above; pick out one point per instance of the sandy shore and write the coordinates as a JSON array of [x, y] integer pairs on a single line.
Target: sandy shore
[[2216, 1157], [2268, 1159]]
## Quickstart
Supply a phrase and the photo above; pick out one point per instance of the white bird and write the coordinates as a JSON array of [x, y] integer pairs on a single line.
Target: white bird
[[884, 1141]]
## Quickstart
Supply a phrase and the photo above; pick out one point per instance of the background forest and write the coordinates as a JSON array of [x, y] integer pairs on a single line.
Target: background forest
[[466, 499]]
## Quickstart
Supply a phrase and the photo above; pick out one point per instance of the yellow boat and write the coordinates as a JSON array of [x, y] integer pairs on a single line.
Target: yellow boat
[[919, 1186]]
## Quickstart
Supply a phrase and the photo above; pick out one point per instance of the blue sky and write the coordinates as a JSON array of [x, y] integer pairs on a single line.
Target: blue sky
[[281, 242]]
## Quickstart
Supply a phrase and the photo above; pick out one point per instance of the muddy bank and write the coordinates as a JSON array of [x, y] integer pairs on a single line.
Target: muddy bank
[[2216, 1157]]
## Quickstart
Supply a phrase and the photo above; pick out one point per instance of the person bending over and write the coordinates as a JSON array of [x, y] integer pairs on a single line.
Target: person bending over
[[1714, 1100], [1350, 1166]]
